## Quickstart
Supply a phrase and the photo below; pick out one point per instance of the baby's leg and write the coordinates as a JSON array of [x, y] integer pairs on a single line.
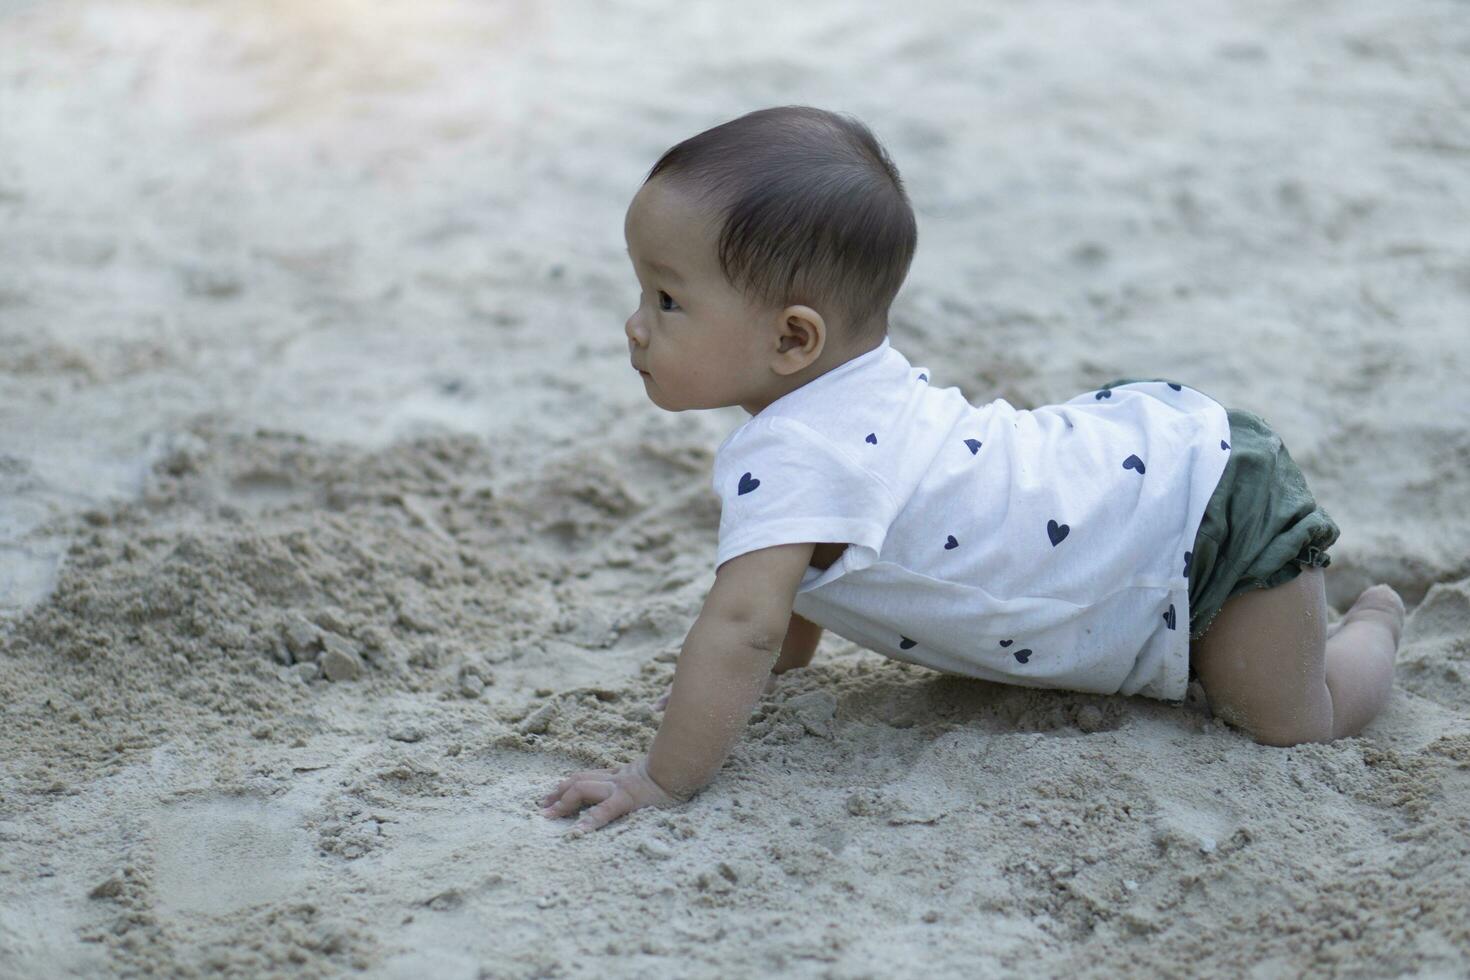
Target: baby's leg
[[1268, 666]]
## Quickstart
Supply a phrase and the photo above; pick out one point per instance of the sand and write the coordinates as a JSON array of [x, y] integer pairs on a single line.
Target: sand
[[335, 528]]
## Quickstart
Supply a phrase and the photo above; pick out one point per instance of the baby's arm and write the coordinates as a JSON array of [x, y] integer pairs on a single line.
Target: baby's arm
[[721, 671], [802, 637], [723, 666]]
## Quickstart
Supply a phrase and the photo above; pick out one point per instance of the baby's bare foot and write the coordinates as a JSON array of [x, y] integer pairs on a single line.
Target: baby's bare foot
[[1378, 603]]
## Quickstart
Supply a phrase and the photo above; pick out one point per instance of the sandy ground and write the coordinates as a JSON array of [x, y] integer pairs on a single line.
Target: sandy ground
[[334, 526]]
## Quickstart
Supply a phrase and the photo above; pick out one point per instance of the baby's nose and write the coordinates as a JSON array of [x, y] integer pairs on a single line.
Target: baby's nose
[[634, 331]]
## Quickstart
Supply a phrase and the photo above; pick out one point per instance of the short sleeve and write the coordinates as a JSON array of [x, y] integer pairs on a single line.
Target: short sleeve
[[780, 482]]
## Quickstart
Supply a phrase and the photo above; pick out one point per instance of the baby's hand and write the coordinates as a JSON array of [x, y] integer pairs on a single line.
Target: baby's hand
[[615, 791], [663, 702]]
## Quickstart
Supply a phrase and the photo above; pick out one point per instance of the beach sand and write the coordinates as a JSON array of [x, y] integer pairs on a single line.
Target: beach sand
[[335, 527]]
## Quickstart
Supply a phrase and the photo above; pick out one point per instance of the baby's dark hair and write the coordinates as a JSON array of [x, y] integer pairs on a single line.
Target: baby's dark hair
[[811, 208]]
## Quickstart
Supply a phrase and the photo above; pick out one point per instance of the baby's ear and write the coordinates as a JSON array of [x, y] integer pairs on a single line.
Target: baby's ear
[[801, 337]]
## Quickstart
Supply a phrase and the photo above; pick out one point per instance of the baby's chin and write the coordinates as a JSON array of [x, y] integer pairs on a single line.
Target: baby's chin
[[651, 389], [657, 397], [661, 398]]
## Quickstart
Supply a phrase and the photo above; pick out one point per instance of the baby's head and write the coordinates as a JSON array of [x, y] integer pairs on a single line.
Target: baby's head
[[769, 250]]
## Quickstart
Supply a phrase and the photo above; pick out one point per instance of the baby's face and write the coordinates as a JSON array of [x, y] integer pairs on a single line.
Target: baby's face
[[694, 338]]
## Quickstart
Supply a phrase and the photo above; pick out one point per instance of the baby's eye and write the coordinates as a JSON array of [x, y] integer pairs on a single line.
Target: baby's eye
[[665, 296]]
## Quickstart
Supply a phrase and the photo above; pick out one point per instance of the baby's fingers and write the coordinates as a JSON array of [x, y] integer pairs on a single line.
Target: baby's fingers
[[578, 795], [562, 786], [603, 813]]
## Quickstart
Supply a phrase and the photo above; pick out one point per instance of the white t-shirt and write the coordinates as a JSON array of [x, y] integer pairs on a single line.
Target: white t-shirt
[[1043, 547]]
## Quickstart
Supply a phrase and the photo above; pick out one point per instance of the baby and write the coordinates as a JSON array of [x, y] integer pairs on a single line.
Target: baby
[[1116, 543]]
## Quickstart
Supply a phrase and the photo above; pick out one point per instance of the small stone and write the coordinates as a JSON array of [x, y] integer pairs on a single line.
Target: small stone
[[1130, 884], [815, 710], [371, 637], [303, 638], [865, 802], [111, 888], [332, 641], [406, 733], [654, 850], [308, 671], [539, 720], [1089, 717], [446, 901], [340, 662], [471, 686], [1207, 845], [930, 916], [416, 617], [333, 620]]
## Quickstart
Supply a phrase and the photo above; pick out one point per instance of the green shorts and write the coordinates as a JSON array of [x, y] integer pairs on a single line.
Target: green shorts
[[1261, 526]]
